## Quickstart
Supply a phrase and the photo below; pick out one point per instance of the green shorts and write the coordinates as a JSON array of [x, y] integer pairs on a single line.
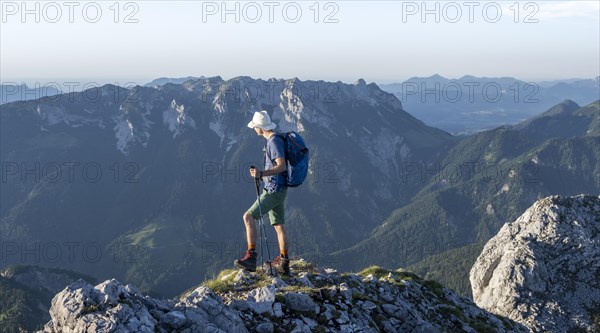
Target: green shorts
[[272, 203]]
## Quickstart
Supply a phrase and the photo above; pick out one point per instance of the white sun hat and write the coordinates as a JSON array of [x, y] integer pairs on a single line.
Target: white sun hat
[[262, 120]]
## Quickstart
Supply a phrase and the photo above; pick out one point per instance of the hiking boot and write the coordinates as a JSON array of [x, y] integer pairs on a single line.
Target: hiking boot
[[248, 262], [282, 265]]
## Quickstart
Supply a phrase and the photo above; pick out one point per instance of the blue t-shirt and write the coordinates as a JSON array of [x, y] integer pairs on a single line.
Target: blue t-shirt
[[274, 149]]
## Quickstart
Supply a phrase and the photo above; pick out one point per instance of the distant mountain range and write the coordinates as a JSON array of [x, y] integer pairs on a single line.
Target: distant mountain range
[[471, 104], [485, 180], [153, 181], [174, 80], [459, 106], [148, 184], [11, 93]]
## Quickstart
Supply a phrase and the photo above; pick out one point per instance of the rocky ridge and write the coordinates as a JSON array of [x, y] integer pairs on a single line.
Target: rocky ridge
[[311, 300]]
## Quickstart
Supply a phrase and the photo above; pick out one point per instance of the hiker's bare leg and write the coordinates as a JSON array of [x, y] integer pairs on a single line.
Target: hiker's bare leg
[[281, 237], [250, 223]]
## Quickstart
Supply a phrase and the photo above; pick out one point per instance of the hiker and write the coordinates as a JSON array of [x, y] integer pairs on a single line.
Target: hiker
[[272, 198]]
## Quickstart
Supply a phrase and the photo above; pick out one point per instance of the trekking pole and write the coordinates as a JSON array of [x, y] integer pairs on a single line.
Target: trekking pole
[[261, 228]]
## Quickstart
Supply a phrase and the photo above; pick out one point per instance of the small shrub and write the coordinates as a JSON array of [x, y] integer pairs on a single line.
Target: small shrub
[[279, 298], [90, 309], [126, 301], [482, 328], [452, 310], [308, 314], [595, 317], [360, 297], [435, 287]]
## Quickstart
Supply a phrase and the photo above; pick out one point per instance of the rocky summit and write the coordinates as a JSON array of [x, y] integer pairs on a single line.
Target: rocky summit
[[542, 270], [311, 300]]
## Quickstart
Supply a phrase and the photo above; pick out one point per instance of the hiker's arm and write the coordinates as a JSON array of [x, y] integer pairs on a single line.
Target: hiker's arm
[[279, 168]]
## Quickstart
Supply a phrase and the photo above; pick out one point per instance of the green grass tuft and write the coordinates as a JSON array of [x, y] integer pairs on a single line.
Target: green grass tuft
[[220, 285], [406, 275], [90, 309], [377, 272], [301, 265]]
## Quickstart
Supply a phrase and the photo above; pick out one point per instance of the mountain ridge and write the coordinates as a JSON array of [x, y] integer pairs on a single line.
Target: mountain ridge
[[167, 208], [171, 164], [470, 104], [312, 300], [485, 180]]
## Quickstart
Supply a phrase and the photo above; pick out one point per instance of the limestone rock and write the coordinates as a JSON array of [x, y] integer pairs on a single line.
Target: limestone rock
[[543, 269]]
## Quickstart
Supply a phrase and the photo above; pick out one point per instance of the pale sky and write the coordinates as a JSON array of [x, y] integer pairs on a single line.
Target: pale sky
[[380, 41]]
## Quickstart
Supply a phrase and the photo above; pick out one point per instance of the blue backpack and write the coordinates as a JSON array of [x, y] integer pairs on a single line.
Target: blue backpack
[[296, 155]]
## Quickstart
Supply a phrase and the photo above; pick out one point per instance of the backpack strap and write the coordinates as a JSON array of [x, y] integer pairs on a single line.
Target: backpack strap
[[265, 155], [280, 135], [294, 142]]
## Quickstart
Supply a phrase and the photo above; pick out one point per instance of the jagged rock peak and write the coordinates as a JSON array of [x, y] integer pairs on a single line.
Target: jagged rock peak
[[360, 82], [542, 269]]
